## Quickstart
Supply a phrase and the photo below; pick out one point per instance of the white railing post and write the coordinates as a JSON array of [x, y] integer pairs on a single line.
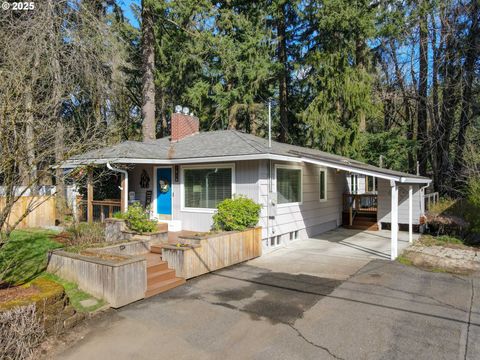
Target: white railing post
[[410, 214], [394, 221]]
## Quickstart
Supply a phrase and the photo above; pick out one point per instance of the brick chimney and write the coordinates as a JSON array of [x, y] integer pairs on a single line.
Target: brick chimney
[[183, 125]]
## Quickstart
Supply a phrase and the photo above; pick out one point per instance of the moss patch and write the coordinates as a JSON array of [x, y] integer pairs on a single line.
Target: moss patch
[[402, 259], [24, 256], [48, 291], [75, 294]]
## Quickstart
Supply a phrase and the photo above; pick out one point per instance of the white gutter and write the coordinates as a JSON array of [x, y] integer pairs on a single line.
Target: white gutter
[[125, 185], [200, 160], [401, 179]]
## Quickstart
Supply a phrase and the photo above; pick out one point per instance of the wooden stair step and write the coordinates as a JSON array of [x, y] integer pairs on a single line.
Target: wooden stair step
[[163, 265], [163, 286], [373, 227], [160, 275], [363, 222], [156, 249]]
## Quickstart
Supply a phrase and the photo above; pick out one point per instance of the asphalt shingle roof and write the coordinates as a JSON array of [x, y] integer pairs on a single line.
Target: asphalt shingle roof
[[222, 143]]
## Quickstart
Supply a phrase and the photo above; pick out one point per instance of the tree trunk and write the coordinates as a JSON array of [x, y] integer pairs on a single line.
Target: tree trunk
[[465, 114], [449, 105], [435, 101], [148, 83], [60, 202], [406, 105], [163, 115], [283, 74], [422, 136]]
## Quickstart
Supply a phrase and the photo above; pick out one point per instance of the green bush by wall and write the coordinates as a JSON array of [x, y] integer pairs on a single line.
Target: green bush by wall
[[236, 214]]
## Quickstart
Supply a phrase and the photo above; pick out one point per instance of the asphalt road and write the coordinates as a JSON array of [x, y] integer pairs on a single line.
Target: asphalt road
[[385, 310]]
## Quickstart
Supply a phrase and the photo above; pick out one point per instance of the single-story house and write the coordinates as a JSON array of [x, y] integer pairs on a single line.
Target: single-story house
[[303, 192]]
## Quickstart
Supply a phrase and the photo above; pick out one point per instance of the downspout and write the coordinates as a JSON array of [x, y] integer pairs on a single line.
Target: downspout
[[422, 201], [125, 189]]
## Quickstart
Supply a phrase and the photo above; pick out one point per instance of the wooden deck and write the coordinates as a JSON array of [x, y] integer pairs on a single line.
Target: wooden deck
[[360, 212]]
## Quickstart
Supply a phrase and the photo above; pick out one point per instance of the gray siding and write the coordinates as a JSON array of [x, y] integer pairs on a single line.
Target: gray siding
[[246, 180], [312, 216], [384, 202]]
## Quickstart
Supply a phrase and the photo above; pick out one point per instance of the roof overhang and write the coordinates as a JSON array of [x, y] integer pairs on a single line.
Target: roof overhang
[[377, 174], [86, 162], [213, 159]]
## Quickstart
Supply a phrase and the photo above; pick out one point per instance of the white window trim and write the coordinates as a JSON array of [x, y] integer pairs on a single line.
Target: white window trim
[[354, 183], [326, 184], [293, 167], [203, 166]]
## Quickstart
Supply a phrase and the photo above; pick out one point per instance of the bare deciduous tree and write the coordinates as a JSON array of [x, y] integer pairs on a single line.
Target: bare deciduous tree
[[56, 65]]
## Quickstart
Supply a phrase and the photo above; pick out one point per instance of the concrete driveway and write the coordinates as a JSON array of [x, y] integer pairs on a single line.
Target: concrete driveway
[[269, 308], [335, 254]]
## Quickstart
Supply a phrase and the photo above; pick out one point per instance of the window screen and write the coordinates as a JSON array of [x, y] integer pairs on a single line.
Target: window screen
[[205, 188], [289, 185]]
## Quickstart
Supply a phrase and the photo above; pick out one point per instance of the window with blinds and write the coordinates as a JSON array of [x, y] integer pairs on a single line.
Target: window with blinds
[[205, 188], [323, 185], [289, 185]]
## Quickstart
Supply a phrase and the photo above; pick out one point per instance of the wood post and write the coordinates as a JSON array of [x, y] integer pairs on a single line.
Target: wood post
[[90, 196]]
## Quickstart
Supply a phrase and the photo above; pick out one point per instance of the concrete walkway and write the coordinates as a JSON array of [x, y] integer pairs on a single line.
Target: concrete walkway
[[336, 254]]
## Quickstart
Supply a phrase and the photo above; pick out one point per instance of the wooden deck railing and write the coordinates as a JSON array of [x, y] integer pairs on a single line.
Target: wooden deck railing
[[359, 203], [102, 209]]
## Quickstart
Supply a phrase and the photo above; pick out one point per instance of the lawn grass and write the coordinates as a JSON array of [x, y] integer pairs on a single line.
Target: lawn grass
[[24, 256], [443, 240], [75, 294]]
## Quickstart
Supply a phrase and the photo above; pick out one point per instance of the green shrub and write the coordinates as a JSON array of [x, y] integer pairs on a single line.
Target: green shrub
[[137, 219], [236, 214]]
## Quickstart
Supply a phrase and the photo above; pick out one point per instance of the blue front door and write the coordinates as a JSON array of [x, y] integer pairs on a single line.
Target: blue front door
[[164, 191]]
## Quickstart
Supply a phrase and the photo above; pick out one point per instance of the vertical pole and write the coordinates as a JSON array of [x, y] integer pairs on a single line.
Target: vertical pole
[[410, 214], [90, 196], [269, 124], [394, 221], [123, 195]]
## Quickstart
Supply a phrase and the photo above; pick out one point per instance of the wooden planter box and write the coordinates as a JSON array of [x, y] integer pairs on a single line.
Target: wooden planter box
[[212, 252], [119, 282], [116, 230]]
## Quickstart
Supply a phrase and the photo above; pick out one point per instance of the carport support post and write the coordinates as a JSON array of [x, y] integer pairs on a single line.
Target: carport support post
[[394, 221], [410, 214]]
